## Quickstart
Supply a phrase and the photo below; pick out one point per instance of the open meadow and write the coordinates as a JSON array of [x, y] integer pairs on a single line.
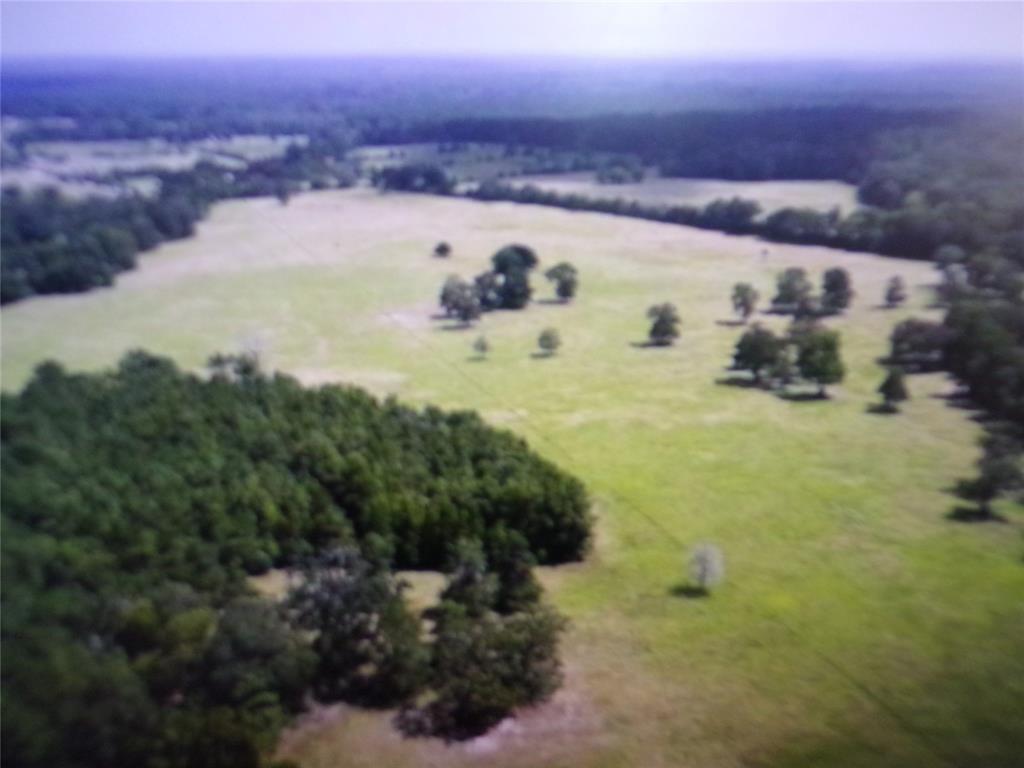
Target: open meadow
[[770, 195], [857, 627]]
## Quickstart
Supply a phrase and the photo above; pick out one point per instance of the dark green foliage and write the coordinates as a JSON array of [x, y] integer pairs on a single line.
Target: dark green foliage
[[566, 280], [735, 215], [442, 250], [513, 264], [836, 290], [918, 345], [744, 300], [136, 501], [420, 177], [495, 643], [997, 474], [665, 325], [818, 358], [757, 350], [792, 290], [461, 300], [366, 640], [893, 389]]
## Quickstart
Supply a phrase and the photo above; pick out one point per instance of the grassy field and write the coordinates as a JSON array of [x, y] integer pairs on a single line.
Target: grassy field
[[772, 195], [857, 628]]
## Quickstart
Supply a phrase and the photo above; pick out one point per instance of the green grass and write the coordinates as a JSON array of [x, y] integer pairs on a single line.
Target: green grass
[[857, 627]]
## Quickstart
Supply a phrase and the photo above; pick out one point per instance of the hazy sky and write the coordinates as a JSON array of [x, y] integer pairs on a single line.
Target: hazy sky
[[843, 30]]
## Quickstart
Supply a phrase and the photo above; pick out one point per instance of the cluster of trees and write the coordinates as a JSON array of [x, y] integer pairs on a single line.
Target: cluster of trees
[[807, 351], [505, 286], [136, 502], [794, 293], [414, 177]]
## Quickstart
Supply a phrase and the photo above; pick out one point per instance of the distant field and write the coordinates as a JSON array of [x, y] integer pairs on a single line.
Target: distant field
[[772, 195], [73, 167], [858, 627]]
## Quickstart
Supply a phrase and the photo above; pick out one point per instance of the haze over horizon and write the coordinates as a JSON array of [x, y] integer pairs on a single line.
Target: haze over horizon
[[903, 32]]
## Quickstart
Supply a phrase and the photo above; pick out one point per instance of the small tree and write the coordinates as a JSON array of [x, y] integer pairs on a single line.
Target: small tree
[[566, 280], [665, 328], [893, 390], [895, 292], [836, 290], [449, 291], [707, 567], [997, 473], [549, 341], [818, 358], [744, 300], [481, 346], [757, 349], [442, 250]]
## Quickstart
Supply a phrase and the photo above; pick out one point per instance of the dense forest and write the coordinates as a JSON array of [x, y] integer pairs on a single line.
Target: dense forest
[[135, 503]]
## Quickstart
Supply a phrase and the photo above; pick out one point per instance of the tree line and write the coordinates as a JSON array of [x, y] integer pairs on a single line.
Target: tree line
[[135, 503]]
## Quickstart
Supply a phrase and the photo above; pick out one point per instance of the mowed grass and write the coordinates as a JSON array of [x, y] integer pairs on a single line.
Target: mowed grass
[[771, 195], [857, 628]]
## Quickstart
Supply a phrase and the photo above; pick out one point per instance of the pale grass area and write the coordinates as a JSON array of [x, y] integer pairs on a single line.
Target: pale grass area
[[843, 575], [772, 195]]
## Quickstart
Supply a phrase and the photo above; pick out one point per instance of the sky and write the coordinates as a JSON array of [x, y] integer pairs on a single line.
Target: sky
[[900, 31]]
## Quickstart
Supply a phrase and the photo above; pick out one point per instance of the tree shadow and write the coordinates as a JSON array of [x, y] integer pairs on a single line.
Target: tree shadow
[[881, 409], [965, 514], [688, 591], [648, 345], [454, 327], [802, 397], [959, 400], [476, 359], [731, 323], [742, 382], [440, 316], [552, 302], [541, 355]]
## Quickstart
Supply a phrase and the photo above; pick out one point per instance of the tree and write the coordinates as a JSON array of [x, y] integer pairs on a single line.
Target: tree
[[449, 291], [460, 300], [665, 328], [366, 640], [481, 346], [513, 264], [893, 390], [792, 288], [836, 291], [895, 292], [707, 567], [744, 300], [757, 349], [566, 280], [442, 250], [818, 358], [549, 341]]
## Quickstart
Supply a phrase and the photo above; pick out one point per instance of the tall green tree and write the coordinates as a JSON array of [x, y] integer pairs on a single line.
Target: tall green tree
[[893, 389], [836, 290], [818, 358], [565, 278], [757, 350], [744, 300]]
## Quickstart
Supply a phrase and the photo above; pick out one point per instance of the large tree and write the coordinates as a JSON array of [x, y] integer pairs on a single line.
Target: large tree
[[758, 349], [818, 358], [792, 289], [836, 290]]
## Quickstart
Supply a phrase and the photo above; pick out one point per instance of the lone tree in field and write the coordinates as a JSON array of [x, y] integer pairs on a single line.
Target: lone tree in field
[[895, 292], [449, 292], [818, 358], [758, 349], [792, 290], [481, 347], [744, 300], [665, 328], [513, 264], [566, 280], [707, 567], [442, 250], [893, 390], [836, 290], [549, 341]]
